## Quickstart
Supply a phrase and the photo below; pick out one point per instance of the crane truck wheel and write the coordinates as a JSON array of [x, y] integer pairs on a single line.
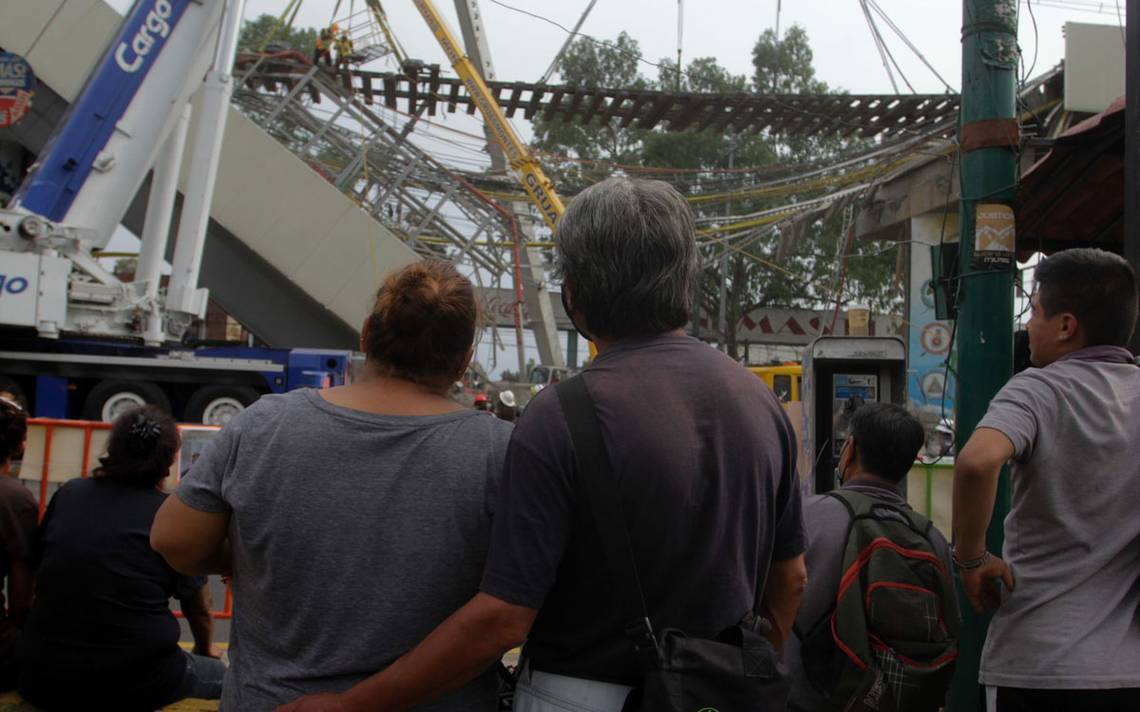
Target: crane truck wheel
[[109, 399], [218, 405]]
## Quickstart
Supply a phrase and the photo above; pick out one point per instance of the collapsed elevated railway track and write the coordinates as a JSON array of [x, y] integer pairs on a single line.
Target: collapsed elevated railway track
[[424, 87]]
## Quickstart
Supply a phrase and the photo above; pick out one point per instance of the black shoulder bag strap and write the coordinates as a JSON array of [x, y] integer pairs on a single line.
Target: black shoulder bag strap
[[596, 479]]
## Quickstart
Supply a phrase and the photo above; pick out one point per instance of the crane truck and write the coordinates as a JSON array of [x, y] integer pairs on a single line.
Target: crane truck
[[77, 340]]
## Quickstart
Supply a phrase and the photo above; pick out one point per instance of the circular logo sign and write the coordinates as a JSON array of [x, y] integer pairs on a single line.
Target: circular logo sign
[[17, 85], [926, 294], [933, 385], [935, 338]]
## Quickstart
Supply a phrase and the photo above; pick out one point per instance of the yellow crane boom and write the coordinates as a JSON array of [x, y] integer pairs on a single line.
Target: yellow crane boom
[[526, 168]]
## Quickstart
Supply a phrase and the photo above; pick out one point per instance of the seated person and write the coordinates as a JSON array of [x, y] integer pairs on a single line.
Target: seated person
[[18, 512], [101, 634]]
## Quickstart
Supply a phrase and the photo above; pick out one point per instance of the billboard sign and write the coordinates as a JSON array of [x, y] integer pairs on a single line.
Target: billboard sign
[[17, 86]]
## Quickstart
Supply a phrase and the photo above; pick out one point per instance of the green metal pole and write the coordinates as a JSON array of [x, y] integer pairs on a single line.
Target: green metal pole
[[989, 173]]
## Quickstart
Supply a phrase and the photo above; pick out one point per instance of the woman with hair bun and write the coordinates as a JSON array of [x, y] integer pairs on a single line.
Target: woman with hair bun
[[101, 634], [355, 519], [18, 513]]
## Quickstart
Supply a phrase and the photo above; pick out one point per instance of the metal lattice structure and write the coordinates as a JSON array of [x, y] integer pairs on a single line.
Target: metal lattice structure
[[431, 207], [371, 36]]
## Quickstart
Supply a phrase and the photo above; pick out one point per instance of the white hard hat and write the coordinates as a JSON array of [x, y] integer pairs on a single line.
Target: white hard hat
[[507, 398]]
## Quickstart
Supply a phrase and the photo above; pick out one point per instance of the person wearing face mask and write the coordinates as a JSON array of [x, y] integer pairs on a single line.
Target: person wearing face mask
[[883, 443]]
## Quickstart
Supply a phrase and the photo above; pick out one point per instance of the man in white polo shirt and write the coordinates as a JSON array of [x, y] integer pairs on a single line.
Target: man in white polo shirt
[[1066, 634]]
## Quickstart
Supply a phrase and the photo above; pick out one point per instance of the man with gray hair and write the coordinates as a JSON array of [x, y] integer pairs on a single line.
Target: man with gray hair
[[704, 459]]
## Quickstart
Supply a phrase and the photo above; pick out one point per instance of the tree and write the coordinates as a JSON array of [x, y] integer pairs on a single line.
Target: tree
[[708, 150], [796, 265], [515, 377], [590, 64], [711, 151], [784, 65], [266, 29]]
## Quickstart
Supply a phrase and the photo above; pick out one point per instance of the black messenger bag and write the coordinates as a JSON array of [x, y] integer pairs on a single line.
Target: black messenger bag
[[737, 671]]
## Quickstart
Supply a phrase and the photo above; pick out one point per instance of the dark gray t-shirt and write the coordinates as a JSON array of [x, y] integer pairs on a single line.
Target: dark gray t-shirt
[[1072, 535], [354, 535], [705, 458]]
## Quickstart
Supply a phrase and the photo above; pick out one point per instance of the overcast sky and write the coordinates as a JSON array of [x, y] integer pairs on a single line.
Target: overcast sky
[[845, 55]]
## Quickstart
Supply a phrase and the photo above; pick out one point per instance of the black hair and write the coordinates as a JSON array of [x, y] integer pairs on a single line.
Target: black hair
[[141, 448], [7, 385], [887, 439], [13, 429], [1097, 287]]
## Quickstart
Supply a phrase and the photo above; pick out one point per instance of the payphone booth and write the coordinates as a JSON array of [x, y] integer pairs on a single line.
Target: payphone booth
[[840, 374]]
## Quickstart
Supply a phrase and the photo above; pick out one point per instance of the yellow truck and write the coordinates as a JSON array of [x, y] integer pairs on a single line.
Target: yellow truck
[[784, 380]]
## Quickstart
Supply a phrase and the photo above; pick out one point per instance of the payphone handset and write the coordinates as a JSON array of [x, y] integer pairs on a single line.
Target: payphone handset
[[848, 392]]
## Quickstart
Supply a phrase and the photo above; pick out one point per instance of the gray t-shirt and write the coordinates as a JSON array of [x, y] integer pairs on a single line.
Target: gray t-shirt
[[827, 523], [353, 534], [1072, 536]]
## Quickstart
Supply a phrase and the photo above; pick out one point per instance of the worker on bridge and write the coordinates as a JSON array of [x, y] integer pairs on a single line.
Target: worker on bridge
[[323, 49], [344, 50]]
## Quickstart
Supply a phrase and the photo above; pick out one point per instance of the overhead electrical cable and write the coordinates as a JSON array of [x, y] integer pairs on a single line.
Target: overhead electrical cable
[[1036, 44], [878, 44], [906, 40], [1094, 7], [565, 45]]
